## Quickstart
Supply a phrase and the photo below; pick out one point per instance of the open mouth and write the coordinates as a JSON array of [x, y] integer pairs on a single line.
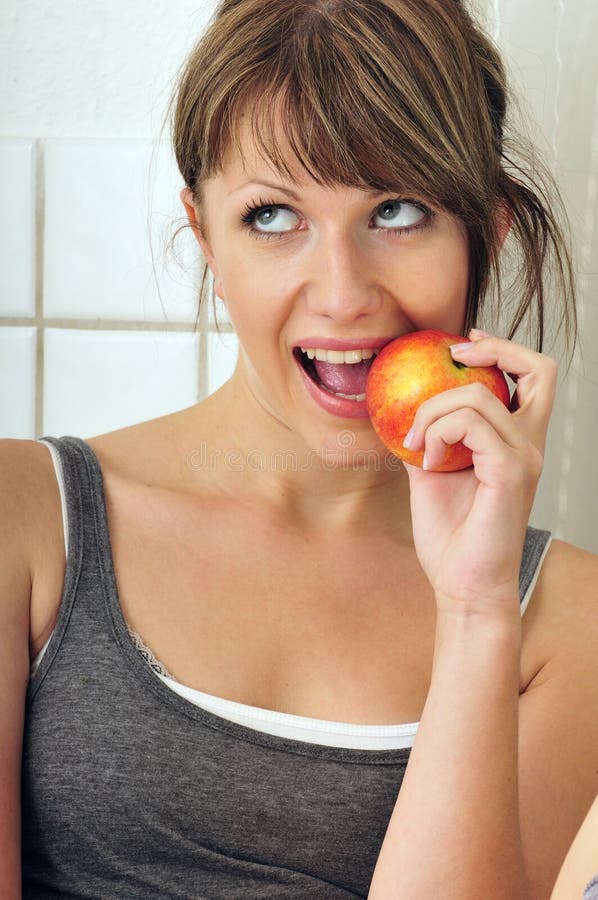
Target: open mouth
[[340, 373]]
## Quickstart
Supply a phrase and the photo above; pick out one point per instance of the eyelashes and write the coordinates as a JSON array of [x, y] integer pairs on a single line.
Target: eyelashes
[[253, 210]]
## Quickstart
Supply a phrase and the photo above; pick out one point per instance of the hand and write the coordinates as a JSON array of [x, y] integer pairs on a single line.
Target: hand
[[469, 526]]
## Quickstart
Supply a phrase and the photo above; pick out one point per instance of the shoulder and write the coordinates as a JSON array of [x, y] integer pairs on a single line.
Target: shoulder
[[31, 523], [27, 500], [566, 561], [565, 601], [560, 625], [20, 479], [27, 487], [142, 450], [571, 570], [159, 452]]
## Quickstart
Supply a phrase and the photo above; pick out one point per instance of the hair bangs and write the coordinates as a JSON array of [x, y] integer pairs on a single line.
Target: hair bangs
[[353, 134], [320, 86]]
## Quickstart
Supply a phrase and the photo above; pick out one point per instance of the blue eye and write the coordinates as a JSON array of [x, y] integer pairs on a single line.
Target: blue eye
[[271, 218], [401, 214]]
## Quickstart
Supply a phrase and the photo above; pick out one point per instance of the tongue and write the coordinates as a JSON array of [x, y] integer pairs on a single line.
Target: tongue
[[343, 378]]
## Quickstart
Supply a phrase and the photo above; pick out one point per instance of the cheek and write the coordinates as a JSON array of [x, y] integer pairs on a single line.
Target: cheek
[[439, 286], [256, 289], [244, 274], [254, 309]]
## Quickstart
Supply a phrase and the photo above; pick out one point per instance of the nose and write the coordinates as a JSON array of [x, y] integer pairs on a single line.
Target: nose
[[342, 285]]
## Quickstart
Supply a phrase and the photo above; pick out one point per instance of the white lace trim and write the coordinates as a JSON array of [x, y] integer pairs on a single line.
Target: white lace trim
[[147, 654]]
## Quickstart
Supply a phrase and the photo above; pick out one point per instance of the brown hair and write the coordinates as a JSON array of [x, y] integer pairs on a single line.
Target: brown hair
[[388, 94]]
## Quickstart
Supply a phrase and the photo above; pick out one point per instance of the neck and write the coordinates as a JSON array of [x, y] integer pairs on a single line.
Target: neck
[[250, 455]]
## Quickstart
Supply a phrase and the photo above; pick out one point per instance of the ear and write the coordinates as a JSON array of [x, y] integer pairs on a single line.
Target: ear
[[503, 218], [186, 196]]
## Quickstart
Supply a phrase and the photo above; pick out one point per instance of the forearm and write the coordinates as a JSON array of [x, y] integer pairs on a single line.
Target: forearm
[[454, 831]]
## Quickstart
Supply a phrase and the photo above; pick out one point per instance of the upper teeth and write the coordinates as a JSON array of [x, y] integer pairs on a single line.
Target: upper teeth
[[338, 356]]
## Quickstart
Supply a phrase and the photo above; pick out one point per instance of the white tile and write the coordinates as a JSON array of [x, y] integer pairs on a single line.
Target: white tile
[[98, 381], [222, 358], [111, 209], [17, 227], [17, 382]]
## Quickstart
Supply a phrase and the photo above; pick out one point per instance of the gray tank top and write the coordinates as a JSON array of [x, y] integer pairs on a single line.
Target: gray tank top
[[131, 791]]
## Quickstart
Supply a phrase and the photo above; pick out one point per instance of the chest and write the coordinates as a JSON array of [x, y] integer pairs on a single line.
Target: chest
[[244, 608]]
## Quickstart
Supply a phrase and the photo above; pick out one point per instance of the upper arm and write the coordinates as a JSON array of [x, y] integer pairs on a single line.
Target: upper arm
[[558, 730], [15, 593], [581, 863]]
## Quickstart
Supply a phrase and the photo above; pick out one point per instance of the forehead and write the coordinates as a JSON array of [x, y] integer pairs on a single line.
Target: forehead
[[258, 148], [252, 144]]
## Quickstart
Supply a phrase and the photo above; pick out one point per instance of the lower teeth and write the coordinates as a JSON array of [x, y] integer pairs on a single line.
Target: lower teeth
[[359, 397]]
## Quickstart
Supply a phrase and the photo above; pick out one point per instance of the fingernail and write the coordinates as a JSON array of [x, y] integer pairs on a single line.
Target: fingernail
[[408, 438], [460, 348], [425, 461]]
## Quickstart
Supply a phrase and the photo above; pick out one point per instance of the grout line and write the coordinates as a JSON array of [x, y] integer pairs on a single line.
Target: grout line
[[102, 324]]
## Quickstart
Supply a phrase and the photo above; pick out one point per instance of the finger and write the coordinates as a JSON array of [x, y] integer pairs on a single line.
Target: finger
[[473, 396], [535, 375], [467, 426], [496, 464]]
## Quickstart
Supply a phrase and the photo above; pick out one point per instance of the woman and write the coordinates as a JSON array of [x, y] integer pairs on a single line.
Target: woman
[[315, 615]]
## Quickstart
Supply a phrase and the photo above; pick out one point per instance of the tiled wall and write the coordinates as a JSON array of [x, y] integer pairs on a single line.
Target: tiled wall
[[97, 318]]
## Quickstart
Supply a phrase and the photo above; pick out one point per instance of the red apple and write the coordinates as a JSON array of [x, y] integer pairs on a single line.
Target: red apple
[[408, 371]]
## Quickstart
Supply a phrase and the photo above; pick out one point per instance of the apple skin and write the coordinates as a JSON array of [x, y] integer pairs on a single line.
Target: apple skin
[[411, 369]]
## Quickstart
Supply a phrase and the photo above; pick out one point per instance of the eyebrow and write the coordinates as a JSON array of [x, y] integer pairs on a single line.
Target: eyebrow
[[269, 184], [284, 190]]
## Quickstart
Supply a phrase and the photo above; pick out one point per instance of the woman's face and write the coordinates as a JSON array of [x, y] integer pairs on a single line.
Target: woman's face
[[324, 269]]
